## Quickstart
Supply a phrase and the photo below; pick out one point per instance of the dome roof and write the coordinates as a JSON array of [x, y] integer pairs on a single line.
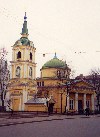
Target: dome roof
[[54, 63], [24, 41]]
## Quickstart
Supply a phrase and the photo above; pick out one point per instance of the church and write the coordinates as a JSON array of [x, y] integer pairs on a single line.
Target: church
[[22, 84], [68, 95], [53, 90]]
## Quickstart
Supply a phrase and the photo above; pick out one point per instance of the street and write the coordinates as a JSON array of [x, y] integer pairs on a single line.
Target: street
[[77, 127]]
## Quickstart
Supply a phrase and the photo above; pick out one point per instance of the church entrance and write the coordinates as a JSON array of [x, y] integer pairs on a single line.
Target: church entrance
[[80, 107], [50, 105], [50, 108], [15, 106]]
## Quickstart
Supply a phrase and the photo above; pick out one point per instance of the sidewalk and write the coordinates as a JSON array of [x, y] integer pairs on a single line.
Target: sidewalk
[[12, 120]]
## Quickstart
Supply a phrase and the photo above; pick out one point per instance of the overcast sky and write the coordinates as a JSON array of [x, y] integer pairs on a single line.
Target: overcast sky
[[71, 28]]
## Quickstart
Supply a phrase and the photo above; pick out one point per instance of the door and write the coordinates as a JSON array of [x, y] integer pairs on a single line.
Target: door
[[80, 107], [15, 105]]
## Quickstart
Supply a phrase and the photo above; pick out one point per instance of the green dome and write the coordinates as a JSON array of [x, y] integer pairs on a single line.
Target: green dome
[[54, 63], [24, 41]]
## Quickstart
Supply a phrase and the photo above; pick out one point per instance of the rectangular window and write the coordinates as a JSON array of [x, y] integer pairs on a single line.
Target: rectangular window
[[38, 83], [42, 83], [71, 103]]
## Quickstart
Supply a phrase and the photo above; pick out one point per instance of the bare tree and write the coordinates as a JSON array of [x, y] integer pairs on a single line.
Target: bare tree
[[95, 79], [4, 77], [95, 71], [72, 74]]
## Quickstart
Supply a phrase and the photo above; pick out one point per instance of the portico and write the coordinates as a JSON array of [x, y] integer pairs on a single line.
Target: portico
[[80, 97]]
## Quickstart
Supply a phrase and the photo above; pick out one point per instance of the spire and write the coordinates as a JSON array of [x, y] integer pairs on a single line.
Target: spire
[[25, 17], [55, 56], [24, 29]]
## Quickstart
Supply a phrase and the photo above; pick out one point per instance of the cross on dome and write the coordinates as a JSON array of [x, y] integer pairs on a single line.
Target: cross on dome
[[55, 56]]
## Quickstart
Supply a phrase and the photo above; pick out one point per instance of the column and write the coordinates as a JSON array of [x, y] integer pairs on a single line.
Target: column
[[67, 107], [92, 102], [84, 101], [76, 101], [24, 99]]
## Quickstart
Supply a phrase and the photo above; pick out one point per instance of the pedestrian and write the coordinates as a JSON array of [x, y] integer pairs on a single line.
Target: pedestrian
[[12, 112], [87, 111]]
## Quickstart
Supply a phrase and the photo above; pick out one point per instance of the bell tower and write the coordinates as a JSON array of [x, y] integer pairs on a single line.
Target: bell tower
[[22, 85]]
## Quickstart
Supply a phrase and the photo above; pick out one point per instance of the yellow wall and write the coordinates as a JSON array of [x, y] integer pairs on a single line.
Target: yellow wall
[[33, 107], [51, 82], [58, 104], [56, 93], [51, 72]]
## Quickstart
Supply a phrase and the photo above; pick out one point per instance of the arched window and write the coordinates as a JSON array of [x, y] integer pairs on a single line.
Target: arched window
[[58, 73], [30, 71], [30, 56], [18, 69], [19, 55]]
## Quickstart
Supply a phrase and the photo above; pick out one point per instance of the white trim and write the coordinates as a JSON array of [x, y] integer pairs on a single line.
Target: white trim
[[71, 104], [24, 99]]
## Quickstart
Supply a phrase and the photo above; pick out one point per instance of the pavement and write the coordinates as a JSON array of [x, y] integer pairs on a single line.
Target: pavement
[[8, 119]]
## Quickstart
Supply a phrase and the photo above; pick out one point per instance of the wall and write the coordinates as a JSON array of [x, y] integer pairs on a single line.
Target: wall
[[33, 107]]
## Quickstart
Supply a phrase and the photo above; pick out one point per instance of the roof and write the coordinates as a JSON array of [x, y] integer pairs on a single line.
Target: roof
[[52, 101], [54, 63], [40, 101], [24, 41], [37, 101], [75, 81]]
